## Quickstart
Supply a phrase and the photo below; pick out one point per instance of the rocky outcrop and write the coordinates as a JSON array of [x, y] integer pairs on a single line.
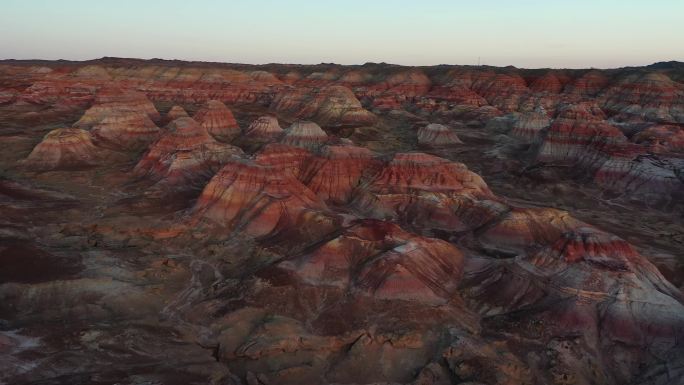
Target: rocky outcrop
[[437, 135], [265, 77], [502, 124], [579, 136], [176, 112], [63, 149], [339, 255], [328, 106], [654, 179], [110, 101], [455, 89], [291, 77], [256, 200], [355, 78], [284, 157], [264, 128], [305, 134], [57, 88], [517, 230], [121, 120], [476, 117], [652, 96], [589, 282], [185, 156], [399, 89], [529, 125], [335, 174], [662, 138], [419, 171], [427, 192], [381, 260], [408, 84], [549, 83], [501, 90], [125, 129], [7, 97], [218, 120], [588, 85], [442, 98], [183, 85]]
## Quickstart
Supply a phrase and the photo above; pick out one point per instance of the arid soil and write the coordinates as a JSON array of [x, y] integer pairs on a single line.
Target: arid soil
[[166, 222]]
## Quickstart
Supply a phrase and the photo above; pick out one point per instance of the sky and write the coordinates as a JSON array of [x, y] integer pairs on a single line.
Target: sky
[[523, 33]]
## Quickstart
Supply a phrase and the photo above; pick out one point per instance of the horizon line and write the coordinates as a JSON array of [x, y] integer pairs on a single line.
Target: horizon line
[[332, 63]]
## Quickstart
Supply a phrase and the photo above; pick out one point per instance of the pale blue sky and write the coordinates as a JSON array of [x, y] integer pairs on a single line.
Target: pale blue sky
[[525, 33]]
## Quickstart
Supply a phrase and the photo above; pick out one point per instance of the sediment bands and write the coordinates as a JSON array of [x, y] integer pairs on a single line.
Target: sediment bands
[[170, 222]]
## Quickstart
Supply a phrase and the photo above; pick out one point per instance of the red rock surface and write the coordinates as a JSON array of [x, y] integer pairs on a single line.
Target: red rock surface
[[589, 84], [63, 149], [318, 79], [176, 112], [426, 191], [285, 157], [218, 120], [351, 259], [265, 77], [519, 229], [381, 260], [453, 94], [264, 127], [257, 199], [125, 129], [398, 89], [437, 135], [291, 77], [410, 83], [549, 82], [419, 171], [579, 135], [456, 88], [305, 134], [600, 271], [185, 156], [7, 97], [109, 101], [501, 91], [651, 96], [354, 78], [334, 105], [66, 89], [335, 174]]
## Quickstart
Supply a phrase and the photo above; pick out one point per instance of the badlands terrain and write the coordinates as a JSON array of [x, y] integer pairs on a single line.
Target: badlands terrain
[[166, 222]]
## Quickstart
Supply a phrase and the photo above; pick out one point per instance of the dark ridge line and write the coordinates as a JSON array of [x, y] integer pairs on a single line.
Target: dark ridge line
[[673, 65]]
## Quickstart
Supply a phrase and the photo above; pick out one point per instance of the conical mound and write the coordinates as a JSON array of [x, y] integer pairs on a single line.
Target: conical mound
[[218, 120], [185, 154], [305, 134], [61, 149], [176, 112], [126, 129], [264, 127], [335, 174], [437, 135], [257, 199], [109, 102], [284, 157]]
